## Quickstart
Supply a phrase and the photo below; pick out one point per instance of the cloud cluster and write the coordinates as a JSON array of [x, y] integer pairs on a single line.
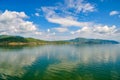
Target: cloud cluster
[[67, 11], [15, 23], [66, 16], [98, 29], [65, 19]]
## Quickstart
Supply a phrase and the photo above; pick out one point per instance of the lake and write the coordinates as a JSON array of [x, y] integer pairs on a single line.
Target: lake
[[60, 62]]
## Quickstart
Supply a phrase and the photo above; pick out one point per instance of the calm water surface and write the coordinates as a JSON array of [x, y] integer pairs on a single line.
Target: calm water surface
[[60, 62]]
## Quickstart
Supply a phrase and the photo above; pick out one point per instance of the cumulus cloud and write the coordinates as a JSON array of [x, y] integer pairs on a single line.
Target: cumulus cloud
[[114, 13], [99, 29], [105, 29], [14, 23]]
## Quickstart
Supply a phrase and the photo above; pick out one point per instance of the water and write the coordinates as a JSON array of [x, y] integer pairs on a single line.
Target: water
[[60, 62]]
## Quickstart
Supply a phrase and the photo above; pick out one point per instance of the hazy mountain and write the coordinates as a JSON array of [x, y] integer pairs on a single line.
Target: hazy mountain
[[92, 41]]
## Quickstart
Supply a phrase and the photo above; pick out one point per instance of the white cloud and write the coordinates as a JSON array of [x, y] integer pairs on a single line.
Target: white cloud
[[105, 29], [48, 30], [72, 32], [67, 22], [84, 30], [63, 16], [79, 6], [114, 13], [88, 8], [14, 23], [61, 29], [99, 29], [49, 11], [65, 8], [37, 14]]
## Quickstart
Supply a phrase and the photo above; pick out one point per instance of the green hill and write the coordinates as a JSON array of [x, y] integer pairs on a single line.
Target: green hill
[[18, 40], [6, 38]]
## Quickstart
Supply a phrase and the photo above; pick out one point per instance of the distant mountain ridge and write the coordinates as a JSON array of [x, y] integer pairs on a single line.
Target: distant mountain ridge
[[92, 41], [18, 40]]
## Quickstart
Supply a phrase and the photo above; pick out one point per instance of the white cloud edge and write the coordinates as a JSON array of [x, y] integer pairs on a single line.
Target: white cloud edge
[[112, 13], [37, 14]]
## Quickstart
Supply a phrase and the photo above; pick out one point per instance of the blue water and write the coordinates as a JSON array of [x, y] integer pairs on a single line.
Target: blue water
[[60, 62]]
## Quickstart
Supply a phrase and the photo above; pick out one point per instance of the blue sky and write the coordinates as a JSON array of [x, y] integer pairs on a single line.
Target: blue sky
[[61, 19]]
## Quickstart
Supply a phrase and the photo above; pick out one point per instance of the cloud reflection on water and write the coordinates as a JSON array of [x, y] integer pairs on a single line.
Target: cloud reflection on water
[[56, 57]]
